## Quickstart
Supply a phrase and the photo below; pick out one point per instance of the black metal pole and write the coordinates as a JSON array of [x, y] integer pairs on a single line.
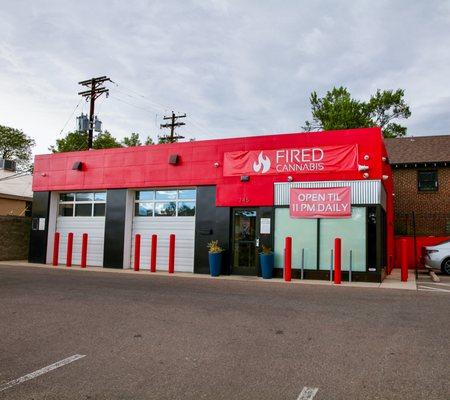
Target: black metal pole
[[91, 115]]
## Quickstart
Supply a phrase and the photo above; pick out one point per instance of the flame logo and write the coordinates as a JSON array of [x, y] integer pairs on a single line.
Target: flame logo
[[263, 162]]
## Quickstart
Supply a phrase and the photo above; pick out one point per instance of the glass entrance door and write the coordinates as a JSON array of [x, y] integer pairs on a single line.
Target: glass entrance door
[[245, 242]]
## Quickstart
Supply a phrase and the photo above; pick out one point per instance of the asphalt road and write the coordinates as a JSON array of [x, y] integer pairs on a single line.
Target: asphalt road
[[177, 338]]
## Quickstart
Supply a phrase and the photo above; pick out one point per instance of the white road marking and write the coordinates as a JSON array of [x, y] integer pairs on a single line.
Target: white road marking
[[436, 283], [307, 393], [39, 372], [433, 289]]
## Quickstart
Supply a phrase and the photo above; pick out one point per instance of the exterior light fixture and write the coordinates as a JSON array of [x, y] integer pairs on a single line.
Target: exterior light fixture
[[77, 166], [174, 159], [290, 178], [366, 157], [245, 178], [385, 177], [365, 175], [384, 159], [216, 165], [363, 168], [43, 174]]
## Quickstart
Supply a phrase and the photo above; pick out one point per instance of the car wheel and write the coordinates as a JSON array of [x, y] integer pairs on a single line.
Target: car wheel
[[446, 266]]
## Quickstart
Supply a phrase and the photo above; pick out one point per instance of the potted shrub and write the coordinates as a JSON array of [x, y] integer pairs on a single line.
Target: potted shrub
[[266, 261], [215, 257]]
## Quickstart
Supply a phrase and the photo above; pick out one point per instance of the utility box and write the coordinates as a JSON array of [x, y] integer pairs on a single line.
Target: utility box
[[82, 123]]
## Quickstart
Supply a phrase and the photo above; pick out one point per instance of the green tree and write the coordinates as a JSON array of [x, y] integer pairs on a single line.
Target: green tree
[[104, 140], [132, 140], [74, 141], [386, 105], [338, 110], [77, 141], [164, 139], [149, 141], [16, 145]]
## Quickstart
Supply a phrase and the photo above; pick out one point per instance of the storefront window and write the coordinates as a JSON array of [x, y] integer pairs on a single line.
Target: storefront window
[[352, 231], [165, 209], [304, 236], [166, 195], [143, 209], [165, 203], [186, 208], [83, 210], [82, 204], [145, 195]]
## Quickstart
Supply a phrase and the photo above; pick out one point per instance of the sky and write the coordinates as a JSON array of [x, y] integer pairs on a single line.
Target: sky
[[236, 68]]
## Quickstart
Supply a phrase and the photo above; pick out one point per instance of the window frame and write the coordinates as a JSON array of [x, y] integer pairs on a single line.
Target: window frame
[[178, 200], [74, 203], [436, 181]]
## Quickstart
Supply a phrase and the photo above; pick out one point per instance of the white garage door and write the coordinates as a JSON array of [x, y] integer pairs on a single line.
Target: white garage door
[[165, 212], [80, 213]]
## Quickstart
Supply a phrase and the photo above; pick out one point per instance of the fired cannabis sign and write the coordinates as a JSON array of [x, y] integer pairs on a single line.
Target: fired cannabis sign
[[297, 160]]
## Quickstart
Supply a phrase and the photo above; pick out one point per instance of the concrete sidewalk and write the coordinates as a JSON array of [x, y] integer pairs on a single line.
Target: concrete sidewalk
[[392, 281]]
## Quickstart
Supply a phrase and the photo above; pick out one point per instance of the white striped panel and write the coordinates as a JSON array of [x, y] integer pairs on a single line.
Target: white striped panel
[[184, 230], [93, 226], [362, 191]]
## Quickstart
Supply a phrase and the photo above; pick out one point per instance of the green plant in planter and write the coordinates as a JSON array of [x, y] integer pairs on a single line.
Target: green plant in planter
[[266, 250], [213, 247], [214, 257]]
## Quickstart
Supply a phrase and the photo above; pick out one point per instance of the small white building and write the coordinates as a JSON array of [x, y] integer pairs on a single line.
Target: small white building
[[16, 193]]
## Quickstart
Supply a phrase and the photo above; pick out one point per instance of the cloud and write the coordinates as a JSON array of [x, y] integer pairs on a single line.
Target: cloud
[[236, 68]]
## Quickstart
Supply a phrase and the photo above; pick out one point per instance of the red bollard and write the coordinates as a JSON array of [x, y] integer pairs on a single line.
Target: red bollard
[[153, 255], [172, 254], [137, 251], [337, 261], [69, 249], [56, 249], [84, 244], [404, 260], [288, 259]]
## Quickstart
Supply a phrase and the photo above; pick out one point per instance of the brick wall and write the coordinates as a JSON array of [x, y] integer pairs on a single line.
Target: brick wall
[[14, 237], [432, 209]]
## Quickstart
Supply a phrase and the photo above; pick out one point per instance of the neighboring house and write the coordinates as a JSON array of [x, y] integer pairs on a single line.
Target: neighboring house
[[16, 194], [421, 169]]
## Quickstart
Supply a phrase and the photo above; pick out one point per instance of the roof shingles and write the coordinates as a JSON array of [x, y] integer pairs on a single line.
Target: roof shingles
[[418, 149]]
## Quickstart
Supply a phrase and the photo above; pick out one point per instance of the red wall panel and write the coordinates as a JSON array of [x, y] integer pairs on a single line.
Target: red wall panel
[[147, 166]]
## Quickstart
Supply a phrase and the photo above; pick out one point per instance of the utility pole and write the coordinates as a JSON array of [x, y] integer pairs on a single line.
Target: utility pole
[[96, 89], [172, 137]]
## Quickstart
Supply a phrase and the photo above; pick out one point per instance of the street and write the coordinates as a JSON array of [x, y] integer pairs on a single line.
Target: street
[[157, 337]]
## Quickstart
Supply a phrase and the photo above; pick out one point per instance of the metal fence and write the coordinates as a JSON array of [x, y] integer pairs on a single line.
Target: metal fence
[[435, 224]]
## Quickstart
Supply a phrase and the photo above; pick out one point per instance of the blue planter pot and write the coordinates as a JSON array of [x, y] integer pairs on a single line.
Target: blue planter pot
[[266, 261], [215, 263]]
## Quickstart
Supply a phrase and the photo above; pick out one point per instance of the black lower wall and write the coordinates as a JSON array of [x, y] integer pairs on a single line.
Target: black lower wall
[[116, 203], [211, 223], [38, 238]]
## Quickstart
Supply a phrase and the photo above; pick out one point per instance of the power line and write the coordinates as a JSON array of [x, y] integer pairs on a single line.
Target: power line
[[154, 105], [71, 115], [133, 105], [160, 106]]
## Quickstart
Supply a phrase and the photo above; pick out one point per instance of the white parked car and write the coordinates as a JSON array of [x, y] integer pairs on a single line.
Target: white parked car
[[438, 256]]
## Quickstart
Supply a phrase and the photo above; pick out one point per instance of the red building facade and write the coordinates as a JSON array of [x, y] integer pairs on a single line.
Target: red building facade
[[213, 189]]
